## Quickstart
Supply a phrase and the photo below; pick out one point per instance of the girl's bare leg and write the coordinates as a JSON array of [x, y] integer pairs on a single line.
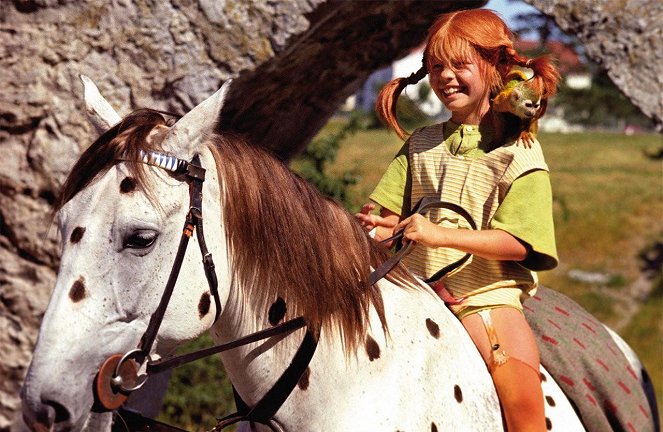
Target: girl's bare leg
[[517, 379]]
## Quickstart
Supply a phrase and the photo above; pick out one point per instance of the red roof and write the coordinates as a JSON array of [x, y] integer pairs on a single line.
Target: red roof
[[564, 56]]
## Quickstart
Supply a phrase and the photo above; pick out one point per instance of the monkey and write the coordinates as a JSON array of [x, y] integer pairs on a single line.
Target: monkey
[[521, 105]]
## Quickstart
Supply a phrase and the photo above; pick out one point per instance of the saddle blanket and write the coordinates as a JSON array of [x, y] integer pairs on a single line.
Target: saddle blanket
[[588, 365]]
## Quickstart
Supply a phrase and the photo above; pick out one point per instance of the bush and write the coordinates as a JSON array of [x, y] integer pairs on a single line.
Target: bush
[[601, 105], [313, 163], [198, 392]]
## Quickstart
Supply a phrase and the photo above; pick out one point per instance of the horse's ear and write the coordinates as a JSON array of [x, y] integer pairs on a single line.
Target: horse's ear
[[190, 131], [100, 113]]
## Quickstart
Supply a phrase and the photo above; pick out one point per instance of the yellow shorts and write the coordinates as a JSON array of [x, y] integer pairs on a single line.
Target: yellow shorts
[[493, 299]]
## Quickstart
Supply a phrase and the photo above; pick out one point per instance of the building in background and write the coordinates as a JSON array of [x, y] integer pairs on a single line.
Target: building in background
[[366, 97]]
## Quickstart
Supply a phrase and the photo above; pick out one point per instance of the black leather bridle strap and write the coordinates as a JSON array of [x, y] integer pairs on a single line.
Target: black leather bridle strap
[[424, 205], [195, 176], [275, 397], [208, 265], [282, 329], [133, 421], [157, 317]]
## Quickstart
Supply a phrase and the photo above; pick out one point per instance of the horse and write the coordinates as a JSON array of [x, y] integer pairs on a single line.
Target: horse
[[386, 357]]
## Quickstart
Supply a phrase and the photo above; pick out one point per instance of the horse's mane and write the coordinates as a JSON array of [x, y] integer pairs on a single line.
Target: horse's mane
[[287, 240]]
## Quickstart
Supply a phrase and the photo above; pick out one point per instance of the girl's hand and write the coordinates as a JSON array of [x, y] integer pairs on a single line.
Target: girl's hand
[[365, 218], [492, 244], [370, 221], [419, 229], [384, 223]]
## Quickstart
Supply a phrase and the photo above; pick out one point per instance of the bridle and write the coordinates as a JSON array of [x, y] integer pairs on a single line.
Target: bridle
[[118, 375]]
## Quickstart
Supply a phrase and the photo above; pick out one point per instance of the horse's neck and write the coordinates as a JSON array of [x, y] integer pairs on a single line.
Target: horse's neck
[[252, 368]]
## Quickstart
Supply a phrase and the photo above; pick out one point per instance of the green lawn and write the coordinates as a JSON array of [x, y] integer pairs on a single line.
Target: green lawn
[[608, 205]]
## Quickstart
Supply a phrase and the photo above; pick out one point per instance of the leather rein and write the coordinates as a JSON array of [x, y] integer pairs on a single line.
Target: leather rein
[[424, 205], [118, 375]]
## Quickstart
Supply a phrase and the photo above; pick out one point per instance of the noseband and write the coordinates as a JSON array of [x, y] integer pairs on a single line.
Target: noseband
[[117, 376]]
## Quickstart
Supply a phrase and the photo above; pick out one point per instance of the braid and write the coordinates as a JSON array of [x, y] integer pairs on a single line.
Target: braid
[[546, 75], [388, 97]]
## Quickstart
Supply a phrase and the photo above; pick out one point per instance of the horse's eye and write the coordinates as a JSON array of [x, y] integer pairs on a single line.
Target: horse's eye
[[141, 239]]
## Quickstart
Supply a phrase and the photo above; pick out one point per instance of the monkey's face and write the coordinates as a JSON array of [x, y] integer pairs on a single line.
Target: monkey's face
[[524, 103]]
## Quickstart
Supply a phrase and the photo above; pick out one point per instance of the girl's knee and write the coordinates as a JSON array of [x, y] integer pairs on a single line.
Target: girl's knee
[[518, 385]]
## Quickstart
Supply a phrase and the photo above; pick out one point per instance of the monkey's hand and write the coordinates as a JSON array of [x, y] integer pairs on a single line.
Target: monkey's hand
[[526, 139]]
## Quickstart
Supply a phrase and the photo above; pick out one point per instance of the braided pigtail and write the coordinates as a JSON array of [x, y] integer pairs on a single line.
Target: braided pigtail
[[388, 97], [546, 72], [546, 75]]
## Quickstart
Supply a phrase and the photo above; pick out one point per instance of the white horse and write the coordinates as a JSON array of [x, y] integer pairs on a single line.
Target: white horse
[[390, 357]]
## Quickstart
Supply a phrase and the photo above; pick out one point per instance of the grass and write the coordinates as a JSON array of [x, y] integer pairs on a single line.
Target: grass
[[608, 205]]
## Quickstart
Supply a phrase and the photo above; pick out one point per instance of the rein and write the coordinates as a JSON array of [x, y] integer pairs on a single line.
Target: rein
[[117, 376], [425, 204]]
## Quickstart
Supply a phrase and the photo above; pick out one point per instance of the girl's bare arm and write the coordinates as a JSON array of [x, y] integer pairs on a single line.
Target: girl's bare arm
[[490, 244]]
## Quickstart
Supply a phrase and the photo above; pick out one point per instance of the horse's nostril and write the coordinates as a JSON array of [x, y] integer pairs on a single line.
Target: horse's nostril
[[61, 413], [40, 420]]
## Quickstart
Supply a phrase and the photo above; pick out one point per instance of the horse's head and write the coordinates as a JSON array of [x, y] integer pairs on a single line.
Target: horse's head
[[121, 222]]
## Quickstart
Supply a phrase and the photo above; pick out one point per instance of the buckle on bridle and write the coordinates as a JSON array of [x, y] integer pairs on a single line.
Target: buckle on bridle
[[195, 171]]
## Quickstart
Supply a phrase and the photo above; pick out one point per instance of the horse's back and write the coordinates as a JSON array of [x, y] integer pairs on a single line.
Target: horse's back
[[423, 373]]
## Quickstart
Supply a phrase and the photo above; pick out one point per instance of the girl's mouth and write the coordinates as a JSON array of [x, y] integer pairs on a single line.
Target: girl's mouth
[[448, 91]]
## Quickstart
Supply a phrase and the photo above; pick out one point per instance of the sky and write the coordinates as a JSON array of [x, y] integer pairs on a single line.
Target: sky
[[509, 9]]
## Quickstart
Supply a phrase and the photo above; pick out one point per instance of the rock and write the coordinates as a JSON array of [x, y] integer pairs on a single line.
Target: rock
[[623, 37]]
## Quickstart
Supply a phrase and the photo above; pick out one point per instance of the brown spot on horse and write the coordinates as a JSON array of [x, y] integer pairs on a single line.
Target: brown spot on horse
[[433, 328], [304, 379], [128, 185], [77, 291], [277, 311], [458, 393], [372, 348], [204, 304], [77, 235]]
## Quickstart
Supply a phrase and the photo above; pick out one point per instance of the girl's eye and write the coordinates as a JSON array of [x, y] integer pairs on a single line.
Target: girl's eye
[[141, 239]]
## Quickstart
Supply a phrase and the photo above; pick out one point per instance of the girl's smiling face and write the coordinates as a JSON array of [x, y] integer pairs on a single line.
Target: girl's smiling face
[[461, 88]]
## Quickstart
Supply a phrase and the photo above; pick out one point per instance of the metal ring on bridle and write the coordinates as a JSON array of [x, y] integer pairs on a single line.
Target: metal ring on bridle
[[118, 382]]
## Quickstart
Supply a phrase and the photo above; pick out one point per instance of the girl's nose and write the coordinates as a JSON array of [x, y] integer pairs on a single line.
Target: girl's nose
[[445, 73]]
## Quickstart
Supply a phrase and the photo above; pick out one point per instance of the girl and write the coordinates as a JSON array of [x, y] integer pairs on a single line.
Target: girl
[[470, 161]]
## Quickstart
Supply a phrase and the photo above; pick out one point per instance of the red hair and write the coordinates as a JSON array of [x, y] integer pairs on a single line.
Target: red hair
[[479, 36]]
